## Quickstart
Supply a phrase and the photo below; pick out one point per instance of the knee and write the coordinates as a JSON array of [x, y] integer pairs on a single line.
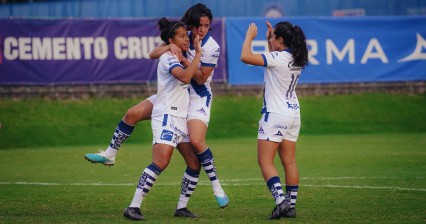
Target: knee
[[289, 162], [194, 165], [162, 164], [132, 116], [198, 143]]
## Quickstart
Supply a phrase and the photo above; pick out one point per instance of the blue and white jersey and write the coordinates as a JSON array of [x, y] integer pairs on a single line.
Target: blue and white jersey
[[209, 57], [172, 94], [280, 84]]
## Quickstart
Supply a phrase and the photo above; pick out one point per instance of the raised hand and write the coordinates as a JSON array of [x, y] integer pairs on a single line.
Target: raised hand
[[251, 31], [197, 44], [269, 30]]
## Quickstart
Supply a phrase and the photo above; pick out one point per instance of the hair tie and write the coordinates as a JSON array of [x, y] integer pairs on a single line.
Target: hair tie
[[171, 29]]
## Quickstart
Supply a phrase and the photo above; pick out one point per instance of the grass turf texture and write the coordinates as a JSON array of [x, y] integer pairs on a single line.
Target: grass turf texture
[[39, 122], [360, 178], [361, 160]]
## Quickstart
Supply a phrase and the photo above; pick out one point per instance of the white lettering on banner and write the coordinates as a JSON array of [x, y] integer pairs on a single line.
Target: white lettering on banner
[[55, 48], [134, 47], [312, 51], [418, 53], [259, 46], [373, 51], [380, 54], [331, 50]]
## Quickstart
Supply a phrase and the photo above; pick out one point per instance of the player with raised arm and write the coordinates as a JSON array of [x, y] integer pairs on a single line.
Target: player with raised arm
[[198, 19], [280, 123], [169, 124]]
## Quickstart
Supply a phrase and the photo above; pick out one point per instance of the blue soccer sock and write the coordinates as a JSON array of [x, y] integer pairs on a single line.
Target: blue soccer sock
[[122, 132], [274, 185], [291, 193], [146, 181], [207, 161], [189, 182]]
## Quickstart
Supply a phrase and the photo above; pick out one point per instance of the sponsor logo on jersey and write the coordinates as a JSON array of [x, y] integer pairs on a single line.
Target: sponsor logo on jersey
[[293, 106], [261, 131], [278, 126], [279, 133], [173, 108], [166, 135]]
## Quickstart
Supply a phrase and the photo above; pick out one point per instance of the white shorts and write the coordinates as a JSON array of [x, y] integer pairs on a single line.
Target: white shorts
[[276, 128], [168, 129], [199, 108]]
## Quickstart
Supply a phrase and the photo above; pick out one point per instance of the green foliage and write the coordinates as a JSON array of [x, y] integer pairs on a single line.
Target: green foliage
[[357, 178], [42, 122]]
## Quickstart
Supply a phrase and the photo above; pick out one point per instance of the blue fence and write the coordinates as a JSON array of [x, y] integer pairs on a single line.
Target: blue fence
[[220, 8]]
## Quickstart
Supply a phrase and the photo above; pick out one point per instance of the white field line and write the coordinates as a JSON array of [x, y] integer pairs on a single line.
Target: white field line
[[236, 182]]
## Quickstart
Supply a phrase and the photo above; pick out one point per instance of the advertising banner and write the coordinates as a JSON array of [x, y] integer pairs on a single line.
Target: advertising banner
[[71, 51], [341, 50]]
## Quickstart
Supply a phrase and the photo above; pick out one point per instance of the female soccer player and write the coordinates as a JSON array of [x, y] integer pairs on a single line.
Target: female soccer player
[[280, 122], [169, 124], [198, 19]]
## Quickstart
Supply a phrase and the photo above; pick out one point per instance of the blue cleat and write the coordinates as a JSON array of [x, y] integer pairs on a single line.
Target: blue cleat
[[222, 201], [100, 157]]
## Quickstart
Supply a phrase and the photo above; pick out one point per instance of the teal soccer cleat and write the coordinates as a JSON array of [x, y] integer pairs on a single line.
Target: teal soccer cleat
[[100, 157], [222, 201]]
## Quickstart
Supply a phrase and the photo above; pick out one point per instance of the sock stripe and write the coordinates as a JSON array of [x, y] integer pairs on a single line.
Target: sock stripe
[[189, 182], [292, 194]]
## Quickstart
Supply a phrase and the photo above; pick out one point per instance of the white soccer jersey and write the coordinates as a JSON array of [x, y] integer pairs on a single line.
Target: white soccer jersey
[[280, 84], [172, 94], [209, 57]]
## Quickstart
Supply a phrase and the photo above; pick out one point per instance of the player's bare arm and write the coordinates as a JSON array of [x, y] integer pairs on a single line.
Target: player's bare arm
[[185, 75], [269, 31], [203, 74], [247, 55]]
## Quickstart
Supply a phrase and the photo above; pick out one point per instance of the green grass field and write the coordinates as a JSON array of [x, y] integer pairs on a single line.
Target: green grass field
[[364, 178], [362, 159]]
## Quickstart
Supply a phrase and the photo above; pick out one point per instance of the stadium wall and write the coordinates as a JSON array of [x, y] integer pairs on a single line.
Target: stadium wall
[[219, 89], [220, 8]]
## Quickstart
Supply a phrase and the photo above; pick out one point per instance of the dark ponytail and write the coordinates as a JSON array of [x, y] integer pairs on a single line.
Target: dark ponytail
[[295, 39], [168, 28]]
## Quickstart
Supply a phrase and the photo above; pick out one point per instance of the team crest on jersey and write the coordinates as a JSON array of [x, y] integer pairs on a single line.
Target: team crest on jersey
[[201, 111], [261, 131], [166, 135]]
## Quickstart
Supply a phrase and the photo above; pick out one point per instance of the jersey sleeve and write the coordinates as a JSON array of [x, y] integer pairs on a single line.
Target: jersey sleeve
[[272, 59], [211, 56], [171, 62]]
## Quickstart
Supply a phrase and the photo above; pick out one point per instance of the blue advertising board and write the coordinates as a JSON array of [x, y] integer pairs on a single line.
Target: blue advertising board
[[341, 50]]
